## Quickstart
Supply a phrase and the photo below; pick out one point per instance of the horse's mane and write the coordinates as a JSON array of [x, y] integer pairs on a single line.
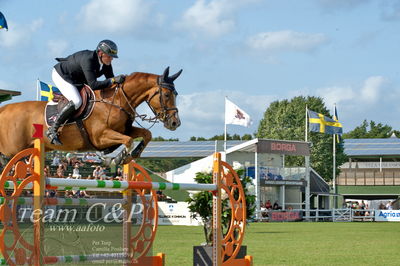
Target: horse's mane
[[138, 75]]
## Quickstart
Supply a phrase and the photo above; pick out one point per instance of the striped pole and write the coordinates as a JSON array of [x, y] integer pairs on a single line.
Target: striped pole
[[66, 201], [112, 185], [82, 184]]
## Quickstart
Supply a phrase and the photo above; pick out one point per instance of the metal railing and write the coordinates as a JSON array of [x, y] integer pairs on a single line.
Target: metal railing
[[325, 215]]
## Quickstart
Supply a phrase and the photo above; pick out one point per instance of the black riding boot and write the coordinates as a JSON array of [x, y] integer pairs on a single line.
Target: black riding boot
[[65, 113]]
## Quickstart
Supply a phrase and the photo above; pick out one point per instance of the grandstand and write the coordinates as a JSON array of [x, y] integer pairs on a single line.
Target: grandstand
[[373, 169]]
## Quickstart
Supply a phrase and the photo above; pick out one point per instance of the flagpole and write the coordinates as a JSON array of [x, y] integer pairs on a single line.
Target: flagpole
[[225, 128], [334, 162], [37, 90], [306, 133]]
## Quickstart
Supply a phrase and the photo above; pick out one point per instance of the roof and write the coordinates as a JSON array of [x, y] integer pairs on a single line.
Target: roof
[[179, 149], [6, 95], [372, 147], [201, 149]]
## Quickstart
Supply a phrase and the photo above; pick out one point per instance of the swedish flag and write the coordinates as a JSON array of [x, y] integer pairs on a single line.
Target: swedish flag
[[3, 22], [47, 91], [320, 123]]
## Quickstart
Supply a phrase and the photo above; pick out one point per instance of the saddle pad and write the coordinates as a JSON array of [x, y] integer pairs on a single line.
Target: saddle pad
[[51, 112]]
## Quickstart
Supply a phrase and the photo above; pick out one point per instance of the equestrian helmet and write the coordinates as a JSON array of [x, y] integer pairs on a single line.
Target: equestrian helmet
[[108, 47]]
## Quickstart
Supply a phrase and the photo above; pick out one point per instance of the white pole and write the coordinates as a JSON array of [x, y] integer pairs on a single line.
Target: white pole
[[225, 129], [257, 186], [37, 90], [334, 161], [334, 164]]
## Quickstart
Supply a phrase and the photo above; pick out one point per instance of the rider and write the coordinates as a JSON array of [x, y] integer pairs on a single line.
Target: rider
[[83, 67]]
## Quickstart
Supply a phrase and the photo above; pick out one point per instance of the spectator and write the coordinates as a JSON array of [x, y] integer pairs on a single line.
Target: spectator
[[98, 173], [69, 157], [60, 171], [389, 206], [276, 206], [56, 161], [160, 195], [268, 205], [381, 206], [75, 171], [46, 171], [362, 207], [118, 175], [82, 194]]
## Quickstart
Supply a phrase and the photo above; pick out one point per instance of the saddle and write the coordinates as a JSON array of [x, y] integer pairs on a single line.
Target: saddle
[[59, 101]]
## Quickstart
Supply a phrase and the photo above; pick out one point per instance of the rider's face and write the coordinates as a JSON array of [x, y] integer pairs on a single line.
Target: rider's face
[[105, 58]]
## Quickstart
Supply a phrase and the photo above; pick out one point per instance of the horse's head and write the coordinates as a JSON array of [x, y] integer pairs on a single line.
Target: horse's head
[[163, 100]]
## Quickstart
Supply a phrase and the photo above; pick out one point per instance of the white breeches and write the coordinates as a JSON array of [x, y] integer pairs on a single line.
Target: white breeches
[[67, 89]]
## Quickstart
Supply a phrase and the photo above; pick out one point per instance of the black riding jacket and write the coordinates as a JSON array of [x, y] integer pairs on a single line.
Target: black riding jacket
[[83, 67]]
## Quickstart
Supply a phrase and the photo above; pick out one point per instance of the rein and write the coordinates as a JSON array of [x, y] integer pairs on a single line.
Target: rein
[[161, 116]]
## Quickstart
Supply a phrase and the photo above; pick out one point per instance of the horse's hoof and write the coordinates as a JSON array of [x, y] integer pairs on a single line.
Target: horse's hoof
[[107, 161], [138, 150], [127, 160]]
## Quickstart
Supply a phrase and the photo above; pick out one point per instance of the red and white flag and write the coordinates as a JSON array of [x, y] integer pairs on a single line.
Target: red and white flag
[[236, 116]]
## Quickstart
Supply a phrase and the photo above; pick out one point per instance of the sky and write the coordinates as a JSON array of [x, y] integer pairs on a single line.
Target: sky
[[252, 51]]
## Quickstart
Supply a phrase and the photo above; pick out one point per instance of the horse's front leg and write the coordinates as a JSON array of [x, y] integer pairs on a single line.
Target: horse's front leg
[[145, 134], [129, 153]]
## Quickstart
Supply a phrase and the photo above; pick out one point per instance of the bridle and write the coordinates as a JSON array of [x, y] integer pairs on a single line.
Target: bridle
[[163, 114], [132, 114]]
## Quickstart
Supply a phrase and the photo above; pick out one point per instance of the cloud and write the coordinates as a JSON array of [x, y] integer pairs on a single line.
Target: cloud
[[212, 19], [19, 35], [369, 93], [286, 40], [335, 95], [209, 106], [57, 47], [117, 16]]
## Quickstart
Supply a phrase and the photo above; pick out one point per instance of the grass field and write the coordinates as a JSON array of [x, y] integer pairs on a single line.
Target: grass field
[[296, 243], [299, 243]]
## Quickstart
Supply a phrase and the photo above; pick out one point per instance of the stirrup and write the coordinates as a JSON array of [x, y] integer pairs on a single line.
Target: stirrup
[[52, 135]]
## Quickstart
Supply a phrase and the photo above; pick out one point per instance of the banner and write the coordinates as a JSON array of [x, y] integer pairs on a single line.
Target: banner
[[387, 216], [285, 216], [175, 214]]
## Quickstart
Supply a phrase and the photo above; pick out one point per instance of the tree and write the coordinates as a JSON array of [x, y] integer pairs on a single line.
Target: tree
[[201, 204], [285, 120], [159, 138], [221, 137], [369, 130]]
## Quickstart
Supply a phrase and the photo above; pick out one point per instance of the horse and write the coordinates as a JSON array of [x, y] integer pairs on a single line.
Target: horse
[[109, 124]]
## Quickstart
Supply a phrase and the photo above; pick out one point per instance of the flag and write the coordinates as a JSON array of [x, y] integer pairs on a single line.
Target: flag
[[3, 22], [336, 118], [47, 91], [320, 123], [236, 116]]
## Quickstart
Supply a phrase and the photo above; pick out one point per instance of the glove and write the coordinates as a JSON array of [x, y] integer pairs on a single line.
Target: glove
[[118, 79]]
